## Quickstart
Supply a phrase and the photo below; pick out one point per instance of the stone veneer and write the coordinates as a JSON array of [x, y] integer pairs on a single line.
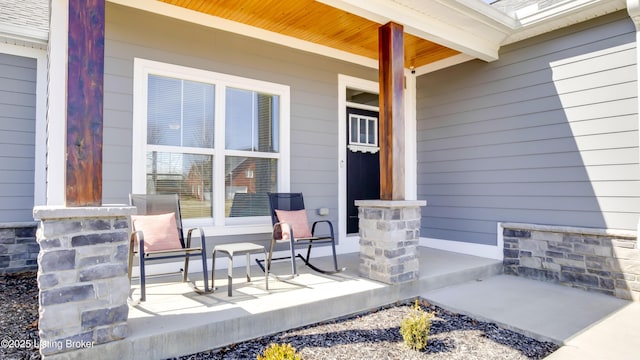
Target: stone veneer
[[389, 237], [603, 261], [18, 247], [82, 276]]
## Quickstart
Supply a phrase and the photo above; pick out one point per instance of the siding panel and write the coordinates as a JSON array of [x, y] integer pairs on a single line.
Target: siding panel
[[313, 81], [548, 134], [17, 137]]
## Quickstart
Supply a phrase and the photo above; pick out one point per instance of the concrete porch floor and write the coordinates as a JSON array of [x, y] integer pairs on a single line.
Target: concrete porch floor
[[176, 321]]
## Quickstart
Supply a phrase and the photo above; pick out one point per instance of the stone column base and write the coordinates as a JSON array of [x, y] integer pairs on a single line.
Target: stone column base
[[82, 276], [389, 237]]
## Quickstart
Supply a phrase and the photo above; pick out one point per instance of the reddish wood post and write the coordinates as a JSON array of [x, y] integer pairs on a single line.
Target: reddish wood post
[[84, 103], [391, 127]]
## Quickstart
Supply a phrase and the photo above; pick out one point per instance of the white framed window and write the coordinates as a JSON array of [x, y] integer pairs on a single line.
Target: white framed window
[[220, 141]]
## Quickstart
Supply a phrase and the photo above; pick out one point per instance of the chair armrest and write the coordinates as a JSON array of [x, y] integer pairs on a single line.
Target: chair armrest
[[137, 240], [278, 226], [202, 238], [313, 227]]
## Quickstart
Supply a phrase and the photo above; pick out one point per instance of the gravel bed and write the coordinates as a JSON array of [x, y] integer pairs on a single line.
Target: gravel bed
[[19, 316], [376, 335]]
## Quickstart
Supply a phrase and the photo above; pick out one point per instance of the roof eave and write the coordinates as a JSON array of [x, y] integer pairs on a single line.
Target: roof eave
[[478, 34], [566, 13]]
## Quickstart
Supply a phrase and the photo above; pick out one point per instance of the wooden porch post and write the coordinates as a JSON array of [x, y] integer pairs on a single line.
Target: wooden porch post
[[83, 182], [391, 127]]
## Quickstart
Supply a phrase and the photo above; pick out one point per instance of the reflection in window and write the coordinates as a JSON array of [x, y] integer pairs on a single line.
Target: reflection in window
[[247, 182], [180, 113], [251, 121], [189, 175]]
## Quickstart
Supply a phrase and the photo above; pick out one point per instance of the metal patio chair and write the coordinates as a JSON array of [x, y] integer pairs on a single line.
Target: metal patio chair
[[157, 234], [290, 224]]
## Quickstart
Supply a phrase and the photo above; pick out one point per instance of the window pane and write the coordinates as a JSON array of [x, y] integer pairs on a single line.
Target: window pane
[[180, 113], [247, 181], [164, 111], [251, 121], [198, 115], [189, 175]]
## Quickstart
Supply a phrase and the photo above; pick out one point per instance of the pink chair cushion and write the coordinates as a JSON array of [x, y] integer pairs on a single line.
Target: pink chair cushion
[[298, 221], [160, 231]]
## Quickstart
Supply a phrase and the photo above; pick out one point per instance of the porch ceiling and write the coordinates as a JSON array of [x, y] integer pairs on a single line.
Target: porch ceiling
[[317, 23]]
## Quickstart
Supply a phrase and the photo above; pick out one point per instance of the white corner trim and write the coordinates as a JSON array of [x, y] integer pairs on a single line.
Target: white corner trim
[[481, 250], [57, 111], [633, 8]]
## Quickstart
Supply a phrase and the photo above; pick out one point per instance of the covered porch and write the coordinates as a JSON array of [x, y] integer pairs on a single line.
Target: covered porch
[[175, 321]]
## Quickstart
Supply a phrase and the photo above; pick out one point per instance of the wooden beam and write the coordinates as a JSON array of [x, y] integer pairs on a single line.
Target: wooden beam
[[391, 125], [83, 181]]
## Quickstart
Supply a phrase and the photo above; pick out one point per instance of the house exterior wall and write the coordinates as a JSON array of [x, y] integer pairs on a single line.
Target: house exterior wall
[[313, 81], [17, 137], [548, 134]]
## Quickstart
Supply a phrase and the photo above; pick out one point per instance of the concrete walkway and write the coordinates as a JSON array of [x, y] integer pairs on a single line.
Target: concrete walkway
[[588, 325]]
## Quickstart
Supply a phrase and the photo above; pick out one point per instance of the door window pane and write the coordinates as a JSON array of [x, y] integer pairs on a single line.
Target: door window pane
[[372, 132], [353, 126], [363, 130]]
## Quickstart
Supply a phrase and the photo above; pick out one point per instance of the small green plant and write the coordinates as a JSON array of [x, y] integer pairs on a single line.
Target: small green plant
[[279, 352], [415, 328]]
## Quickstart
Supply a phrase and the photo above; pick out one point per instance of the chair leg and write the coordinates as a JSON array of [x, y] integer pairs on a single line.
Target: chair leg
[[143, 290], [213, 270], [308, 253], [294, 270], [185, 269], [335, 258], [131, 253], [268, 265], [230, 275], [248, 267], [205, 271], [266, 274]]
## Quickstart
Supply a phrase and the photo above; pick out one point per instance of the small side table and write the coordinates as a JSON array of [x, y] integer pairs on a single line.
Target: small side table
[[238, 249]]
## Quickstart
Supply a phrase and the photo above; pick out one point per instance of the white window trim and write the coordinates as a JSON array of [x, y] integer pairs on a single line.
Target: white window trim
[[220, 226]]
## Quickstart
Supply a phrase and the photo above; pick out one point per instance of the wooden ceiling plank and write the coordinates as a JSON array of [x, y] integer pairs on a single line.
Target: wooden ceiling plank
[[318, 23]]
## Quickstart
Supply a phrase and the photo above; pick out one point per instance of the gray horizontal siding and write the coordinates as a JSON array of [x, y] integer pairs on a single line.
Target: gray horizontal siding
[[313, 81], [17, 137], [547, 134]]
